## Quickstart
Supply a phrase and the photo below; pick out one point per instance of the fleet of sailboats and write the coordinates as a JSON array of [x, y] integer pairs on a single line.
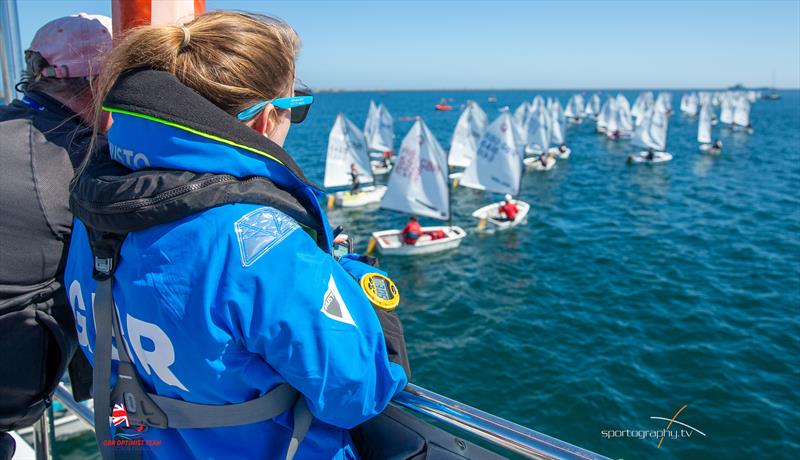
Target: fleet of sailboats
[[493, 157]]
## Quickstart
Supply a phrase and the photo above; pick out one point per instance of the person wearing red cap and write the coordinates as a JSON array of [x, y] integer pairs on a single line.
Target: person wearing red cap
[[43, 138]]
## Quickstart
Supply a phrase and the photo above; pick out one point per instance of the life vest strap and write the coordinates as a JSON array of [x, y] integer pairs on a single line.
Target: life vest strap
[[148, 409]]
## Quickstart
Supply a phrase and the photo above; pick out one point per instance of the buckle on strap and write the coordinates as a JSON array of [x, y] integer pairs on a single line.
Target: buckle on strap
[[104, 265], [141, 409]]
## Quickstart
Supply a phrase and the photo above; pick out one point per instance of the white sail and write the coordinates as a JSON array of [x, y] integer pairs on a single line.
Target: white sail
[[659, 124], [498, 166], [593, 106], [480, 117], [539, 129], [641, 137], [605, 113], [379, 130], [689, 104], [469, 129], [579, 105], [521, 114], [571, 109], [704, 125], [346, 147], [613, 120], [726, 110], [538, 101], [372, 117], [664, 102], [741, 114], [557, 112], [594, 102], [651, 132], [419, 183], [642, 103], [556, 130], [624, 120]]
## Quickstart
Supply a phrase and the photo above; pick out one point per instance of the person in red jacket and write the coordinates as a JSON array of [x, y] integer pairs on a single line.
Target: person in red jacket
[[509, 210], [412, 231]]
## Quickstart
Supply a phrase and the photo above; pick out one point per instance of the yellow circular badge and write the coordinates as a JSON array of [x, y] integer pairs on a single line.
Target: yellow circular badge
[[381, 291]]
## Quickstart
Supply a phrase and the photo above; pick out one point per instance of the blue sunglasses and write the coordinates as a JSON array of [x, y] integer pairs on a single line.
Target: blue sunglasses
[[299, 104]]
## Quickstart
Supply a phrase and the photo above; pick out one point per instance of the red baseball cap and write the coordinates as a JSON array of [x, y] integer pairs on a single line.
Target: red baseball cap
[[74, 46]]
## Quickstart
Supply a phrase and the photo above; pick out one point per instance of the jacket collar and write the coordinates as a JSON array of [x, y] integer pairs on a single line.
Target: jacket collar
[[51, 105], [181, 128]]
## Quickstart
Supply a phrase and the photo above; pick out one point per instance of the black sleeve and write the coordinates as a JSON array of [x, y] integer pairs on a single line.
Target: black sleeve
[[395, 339], [392, 328]]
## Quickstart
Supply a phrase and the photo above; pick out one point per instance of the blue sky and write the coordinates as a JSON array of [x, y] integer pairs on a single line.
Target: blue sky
[[516, 44]]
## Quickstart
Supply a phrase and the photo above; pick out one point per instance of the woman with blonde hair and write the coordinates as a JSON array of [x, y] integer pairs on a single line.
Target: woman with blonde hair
[[240, 329]]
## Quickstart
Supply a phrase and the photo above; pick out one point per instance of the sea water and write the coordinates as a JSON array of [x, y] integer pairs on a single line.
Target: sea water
[[632, 291]]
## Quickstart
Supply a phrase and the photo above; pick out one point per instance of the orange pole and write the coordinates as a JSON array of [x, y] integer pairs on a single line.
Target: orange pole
[[127, 14]]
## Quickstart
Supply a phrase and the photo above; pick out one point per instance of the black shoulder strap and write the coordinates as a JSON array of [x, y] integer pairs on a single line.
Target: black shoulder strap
[[145, 408]]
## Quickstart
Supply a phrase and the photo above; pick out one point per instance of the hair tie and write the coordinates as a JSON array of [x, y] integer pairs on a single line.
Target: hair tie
[[186, 37]]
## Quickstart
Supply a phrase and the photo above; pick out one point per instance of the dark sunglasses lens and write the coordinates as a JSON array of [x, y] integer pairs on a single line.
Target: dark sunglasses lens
[[299, 113]]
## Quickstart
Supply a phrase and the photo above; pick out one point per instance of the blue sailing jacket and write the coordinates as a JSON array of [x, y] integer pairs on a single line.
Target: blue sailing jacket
[[223, 305]]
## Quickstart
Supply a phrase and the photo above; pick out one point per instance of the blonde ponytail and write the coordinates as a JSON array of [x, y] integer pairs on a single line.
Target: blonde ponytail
[[232, 59]]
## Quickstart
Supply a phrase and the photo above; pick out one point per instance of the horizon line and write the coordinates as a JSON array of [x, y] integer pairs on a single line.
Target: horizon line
[[597, 89]]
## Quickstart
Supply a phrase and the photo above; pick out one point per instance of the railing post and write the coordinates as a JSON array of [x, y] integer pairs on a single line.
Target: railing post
[[41, 437]]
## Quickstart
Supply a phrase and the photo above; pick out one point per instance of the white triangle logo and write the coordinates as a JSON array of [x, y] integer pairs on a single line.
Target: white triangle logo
[[333, 306]]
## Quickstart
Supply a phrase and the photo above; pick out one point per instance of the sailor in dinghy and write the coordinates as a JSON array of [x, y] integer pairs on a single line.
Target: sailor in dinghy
[[538, 138], [704, 131], [347, 164], [418, 186], [558, 133], [651, 134], [498, 168], [379, 131]]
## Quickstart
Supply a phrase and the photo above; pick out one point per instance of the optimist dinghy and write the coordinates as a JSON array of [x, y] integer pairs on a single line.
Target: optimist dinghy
[[419, 186], [362, 197], [380, 168], [558, 134], [347, 148], [490, 218], [497, 168], [704, 131], [536, 164], [651, 134], [658, 157], [390, 242]]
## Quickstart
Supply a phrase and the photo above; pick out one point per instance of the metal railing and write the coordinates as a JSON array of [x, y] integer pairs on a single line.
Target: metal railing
[[10, 50], [484, 426], [490, 428]]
